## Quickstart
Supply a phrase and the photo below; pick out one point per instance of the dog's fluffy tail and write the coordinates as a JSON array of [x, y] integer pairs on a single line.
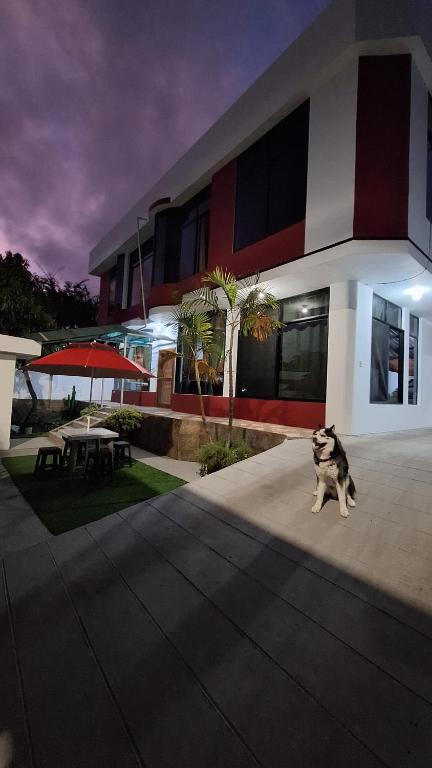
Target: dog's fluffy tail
[[351, 488]]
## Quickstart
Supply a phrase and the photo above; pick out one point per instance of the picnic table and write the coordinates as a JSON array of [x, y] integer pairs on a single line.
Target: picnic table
[[74, 437]]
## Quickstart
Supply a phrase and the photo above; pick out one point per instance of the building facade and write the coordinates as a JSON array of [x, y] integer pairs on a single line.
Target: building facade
[[319, 178]]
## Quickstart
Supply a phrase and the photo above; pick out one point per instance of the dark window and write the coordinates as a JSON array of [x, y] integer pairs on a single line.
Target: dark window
[[185, 381], [115, 294], [194, 235], [271, 180], [386, 311], [112, 288], [429, 163], [291, 365], [134, 291], [413, 361], [387, 353], [303, 361], [256, 367]]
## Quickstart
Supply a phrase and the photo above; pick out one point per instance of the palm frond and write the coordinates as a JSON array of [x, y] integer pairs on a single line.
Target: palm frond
[[259, 325], [225, 280], [203, 299]]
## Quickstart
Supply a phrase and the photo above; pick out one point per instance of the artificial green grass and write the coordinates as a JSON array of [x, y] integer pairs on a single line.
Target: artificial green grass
[[65, 501]]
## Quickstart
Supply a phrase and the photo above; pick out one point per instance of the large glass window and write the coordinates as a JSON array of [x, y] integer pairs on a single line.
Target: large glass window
[[134, 292], [413, 361], [291, 365], [386, 385], [271, 180], [116, 284], [194, 235]]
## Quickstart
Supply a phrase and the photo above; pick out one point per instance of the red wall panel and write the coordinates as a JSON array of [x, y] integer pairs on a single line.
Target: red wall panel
[[135, 398], [382, 151], [288, 412]]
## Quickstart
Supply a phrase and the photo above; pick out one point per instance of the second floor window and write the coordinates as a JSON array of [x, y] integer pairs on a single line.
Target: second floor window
[[134, 291], [272, 179], [194, 231], [429, 164]]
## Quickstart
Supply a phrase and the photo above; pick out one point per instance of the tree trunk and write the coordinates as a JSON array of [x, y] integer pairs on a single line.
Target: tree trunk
[[231, 386], [201, 400], [33, 396]]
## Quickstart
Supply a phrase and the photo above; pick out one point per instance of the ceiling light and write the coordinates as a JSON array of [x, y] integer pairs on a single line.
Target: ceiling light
[[304, 309], [417, 292]]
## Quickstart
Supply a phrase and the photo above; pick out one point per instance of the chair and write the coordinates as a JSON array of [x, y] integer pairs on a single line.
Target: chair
[[42, 459], [98, 461], [82, 450], [121, 448]]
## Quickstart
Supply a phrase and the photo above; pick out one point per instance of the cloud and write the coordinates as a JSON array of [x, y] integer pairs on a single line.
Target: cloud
[[98, 98]]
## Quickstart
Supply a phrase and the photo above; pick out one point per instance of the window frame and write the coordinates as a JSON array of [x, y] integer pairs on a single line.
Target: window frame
[[414, 400], [147, 253], [267, 149], [401, 333], [196, 213], [278, 350]]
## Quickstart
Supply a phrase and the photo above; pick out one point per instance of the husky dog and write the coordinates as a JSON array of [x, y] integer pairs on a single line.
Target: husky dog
[[332, 470]]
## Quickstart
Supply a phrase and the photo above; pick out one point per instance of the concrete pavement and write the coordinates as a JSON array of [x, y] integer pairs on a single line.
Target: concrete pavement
[[225, 625]]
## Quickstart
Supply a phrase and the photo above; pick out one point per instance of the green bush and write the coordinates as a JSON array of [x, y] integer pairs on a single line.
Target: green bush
[[92, 408], [124, 420], [217, 455]]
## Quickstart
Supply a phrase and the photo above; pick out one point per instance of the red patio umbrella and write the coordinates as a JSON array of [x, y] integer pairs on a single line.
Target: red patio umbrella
[[91, 359]]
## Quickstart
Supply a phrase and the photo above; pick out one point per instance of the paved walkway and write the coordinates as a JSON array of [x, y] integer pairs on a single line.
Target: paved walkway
[[224, 625], [19, 526]]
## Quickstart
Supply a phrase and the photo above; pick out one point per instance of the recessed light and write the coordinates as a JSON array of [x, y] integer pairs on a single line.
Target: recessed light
[[304, 309], [417, 292]]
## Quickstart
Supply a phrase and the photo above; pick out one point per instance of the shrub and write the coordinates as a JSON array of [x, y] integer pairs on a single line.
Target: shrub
[[92, 408], [124, 420], [217, 455]]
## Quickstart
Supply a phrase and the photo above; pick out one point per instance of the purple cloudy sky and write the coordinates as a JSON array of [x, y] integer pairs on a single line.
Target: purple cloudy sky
[[99, 97]]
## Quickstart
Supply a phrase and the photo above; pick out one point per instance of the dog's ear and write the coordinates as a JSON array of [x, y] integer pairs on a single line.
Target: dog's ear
[[320, 426], [332, 428]]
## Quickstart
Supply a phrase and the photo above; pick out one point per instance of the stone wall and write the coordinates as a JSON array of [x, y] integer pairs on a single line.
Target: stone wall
[[181, 438]]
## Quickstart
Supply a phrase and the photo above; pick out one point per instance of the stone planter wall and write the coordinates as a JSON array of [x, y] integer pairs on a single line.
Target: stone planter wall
[[181, 438]]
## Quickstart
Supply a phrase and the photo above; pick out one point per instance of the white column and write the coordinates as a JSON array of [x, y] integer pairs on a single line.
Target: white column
[[7, 378], [234, 356], [341, 366]]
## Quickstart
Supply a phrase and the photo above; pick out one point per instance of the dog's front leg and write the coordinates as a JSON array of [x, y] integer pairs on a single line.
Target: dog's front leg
[[341, 492], [320, 497]]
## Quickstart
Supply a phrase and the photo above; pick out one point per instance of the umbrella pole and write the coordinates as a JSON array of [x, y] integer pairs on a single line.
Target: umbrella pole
[[91, 390], [102, 392]]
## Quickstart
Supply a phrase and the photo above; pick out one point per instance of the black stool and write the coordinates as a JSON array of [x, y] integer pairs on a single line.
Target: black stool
[[121, 448], [43, 456], [98, 462]]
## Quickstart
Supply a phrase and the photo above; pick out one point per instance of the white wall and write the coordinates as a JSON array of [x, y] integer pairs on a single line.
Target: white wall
[[418, 225], [7, 368], [341, 355], [331, 163], [349, 368]]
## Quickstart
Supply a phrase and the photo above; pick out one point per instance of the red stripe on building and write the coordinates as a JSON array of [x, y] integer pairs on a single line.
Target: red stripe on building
[[382, 152]]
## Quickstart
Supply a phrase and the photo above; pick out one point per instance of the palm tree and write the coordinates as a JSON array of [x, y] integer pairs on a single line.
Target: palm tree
[[250, 310], [196, 337]]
